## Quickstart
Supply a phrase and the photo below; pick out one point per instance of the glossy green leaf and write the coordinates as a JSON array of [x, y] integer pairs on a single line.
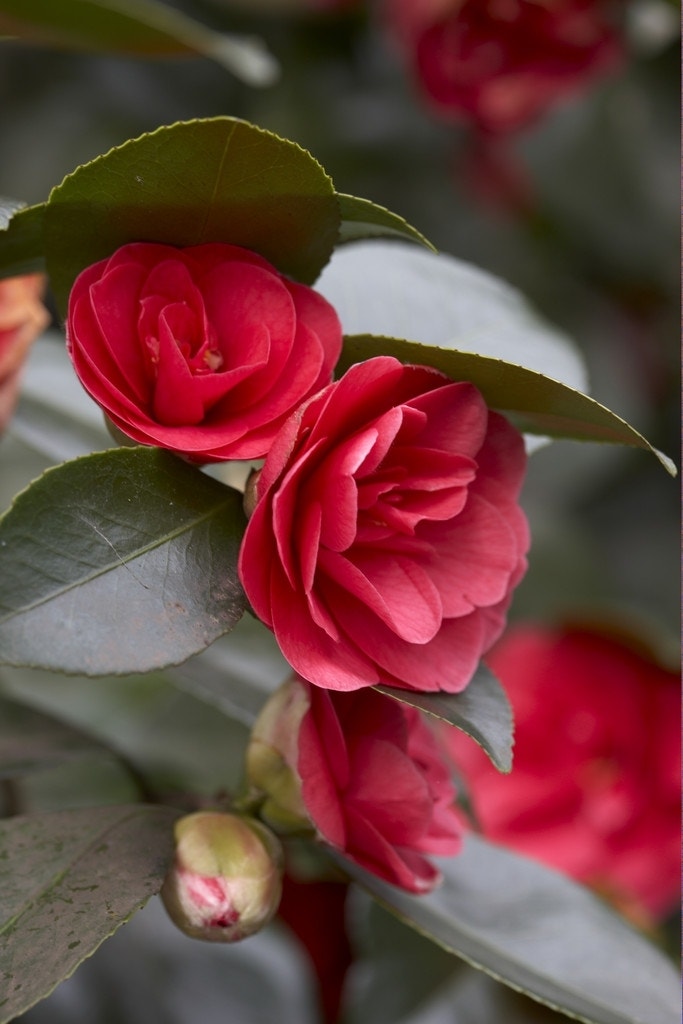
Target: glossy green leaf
[[537, 931], [21, 240], [141, 28], [123, 561], [398, 290], [214, 180], [361, 218], [31, 741], [537, 404], [482, 710], [69, 879]]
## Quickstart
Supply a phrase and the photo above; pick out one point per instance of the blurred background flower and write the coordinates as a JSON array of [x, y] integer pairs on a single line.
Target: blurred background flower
[[595, 785]]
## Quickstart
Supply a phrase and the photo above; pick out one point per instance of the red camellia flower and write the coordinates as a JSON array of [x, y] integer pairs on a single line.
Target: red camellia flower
[[365, 771], [502, 63], [22, 318], [204, 351], [595, 786], [386, 537]]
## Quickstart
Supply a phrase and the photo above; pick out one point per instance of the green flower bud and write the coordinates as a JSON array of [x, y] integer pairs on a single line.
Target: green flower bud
[[226, 880], [272, 756]]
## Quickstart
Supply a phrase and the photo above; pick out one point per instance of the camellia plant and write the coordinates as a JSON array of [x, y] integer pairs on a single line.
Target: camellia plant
[[287, 441]]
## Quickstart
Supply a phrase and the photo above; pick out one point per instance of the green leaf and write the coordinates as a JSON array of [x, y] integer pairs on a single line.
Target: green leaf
[[141, 28], [214, 180], [69, 879], [21, 240], [397, 290], [538, 404], [360, 218], [31, 741], [538, 932], [119, 562], [482, 710]]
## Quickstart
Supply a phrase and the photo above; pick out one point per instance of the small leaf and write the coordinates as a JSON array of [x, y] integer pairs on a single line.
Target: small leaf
[[538, 404], [141, 28], [364, 219], [123, 561], [539, 932], [21, 240], [69, 879], [31, 740], [214, 180], [482, 710]]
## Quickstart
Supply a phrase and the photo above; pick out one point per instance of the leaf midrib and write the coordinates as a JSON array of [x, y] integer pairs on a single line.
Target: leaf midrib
[[119, 562]]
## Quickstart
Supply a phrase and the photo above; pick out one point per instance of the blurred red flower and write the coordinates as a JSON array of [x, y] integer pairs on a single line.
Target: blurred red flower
[[500, 64], [595, 786], [22, 318]]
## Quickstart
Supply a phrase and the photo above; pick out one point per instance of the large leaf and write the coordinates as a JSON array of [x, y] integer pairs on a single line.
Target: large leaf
[[402, 291], [118, 562], [69, 879], [538, 404], [31, 741], [21, 239], [482, 710], [214, 180], [361, 218], [541, 933], [142, 28]]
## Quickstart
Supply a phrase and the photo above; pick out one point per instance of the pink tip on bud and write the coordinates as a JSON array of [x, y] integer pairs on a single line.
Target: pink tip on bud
[[226, 879]]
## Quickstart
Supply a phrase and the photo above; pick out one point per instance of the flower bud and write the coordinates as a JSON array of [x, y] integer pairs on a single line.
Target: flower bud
[[272, 757], [226, 880]]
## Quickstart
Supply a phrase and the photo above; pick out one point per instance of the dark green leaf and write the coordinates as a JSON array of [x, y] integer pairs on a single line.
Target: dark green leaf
[[215, 180], [69, 879], [541, 933], [364, 219], [538, 404], [21, 241], [482, 710], [123, 561], [31, 740], [141, 28]]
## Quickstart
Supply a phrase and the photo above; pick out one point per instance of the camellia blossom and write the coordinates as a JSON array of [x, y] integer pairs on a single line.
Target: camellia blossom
[[22, 318], [595, 785], [386, 538], [204, 351], [500, 64], [365, 771]]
